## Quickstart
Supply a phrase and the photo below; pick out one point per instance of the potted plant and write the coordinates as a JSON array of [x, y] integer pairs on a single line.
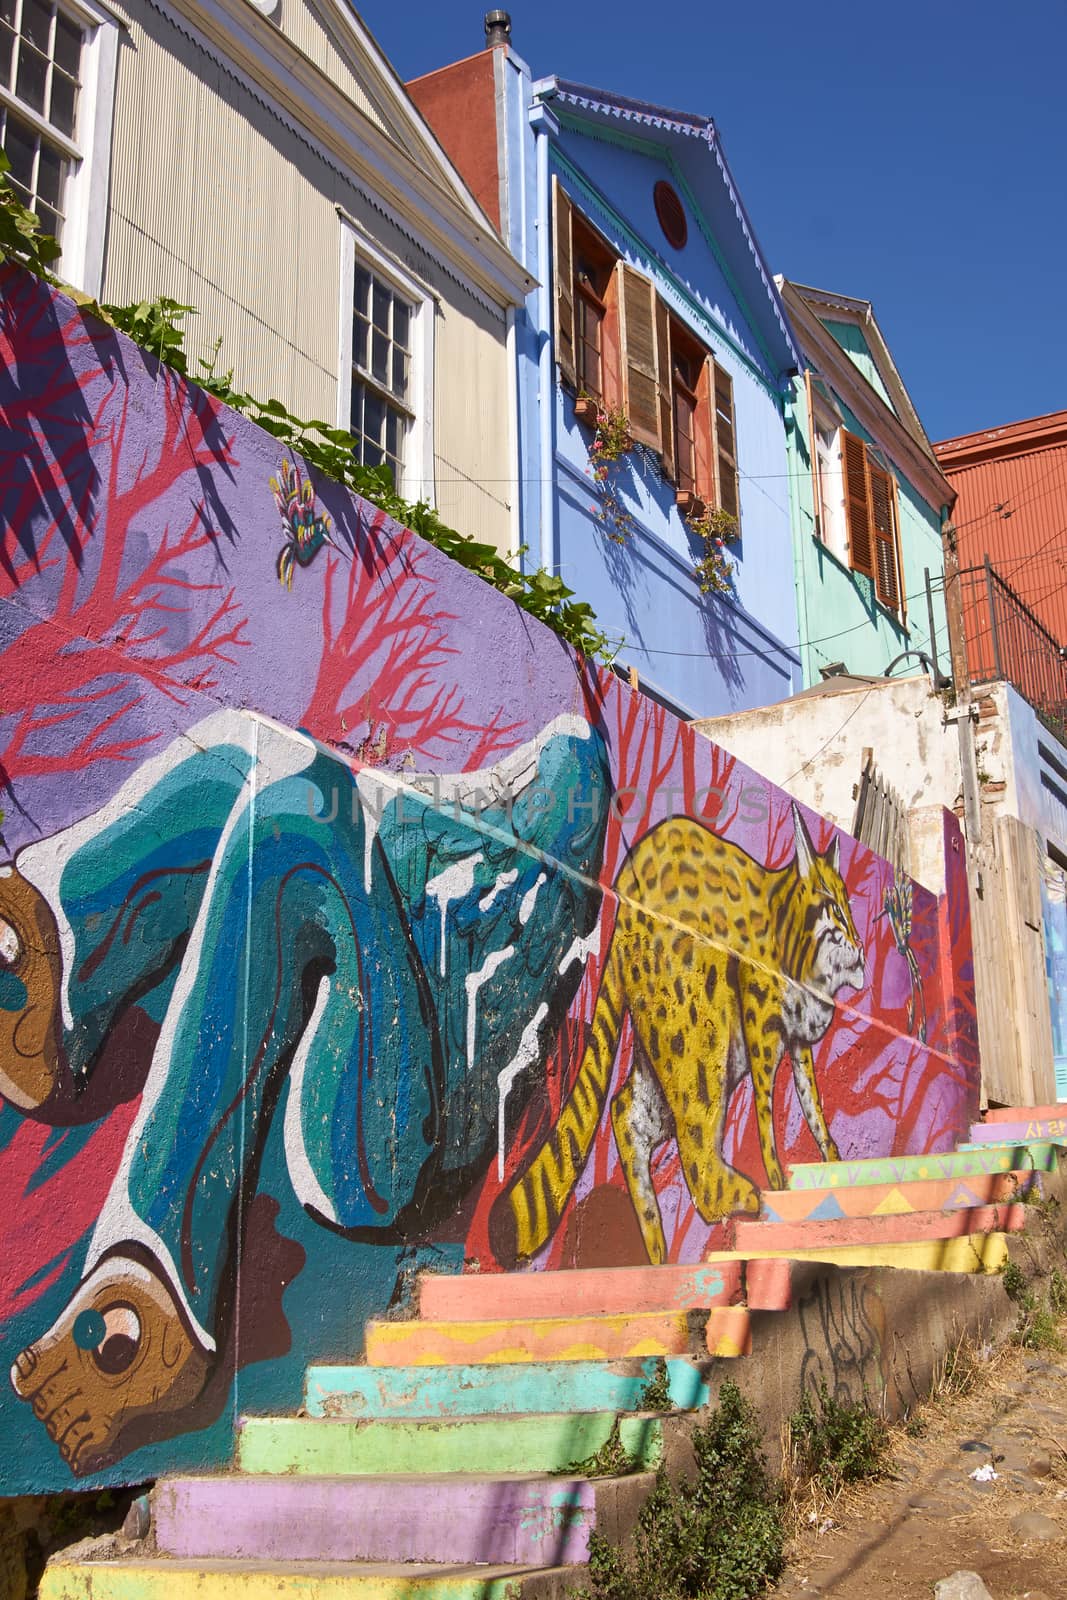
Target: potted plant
[[715, 529], [611, 441]]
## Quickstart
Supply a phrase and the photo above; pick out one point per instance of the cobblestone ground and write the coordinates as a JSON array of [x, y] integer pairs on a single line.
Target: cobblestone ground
[[931, 1517]]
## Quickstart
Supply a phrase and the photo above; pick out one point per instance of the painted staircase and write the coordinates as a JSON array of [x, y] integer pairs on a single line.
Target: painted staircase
[[456, 1461]]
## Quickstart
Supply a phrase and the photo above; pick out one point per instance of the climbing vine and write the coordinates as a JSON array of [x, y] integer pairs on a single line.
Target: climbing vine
[[158, 327]]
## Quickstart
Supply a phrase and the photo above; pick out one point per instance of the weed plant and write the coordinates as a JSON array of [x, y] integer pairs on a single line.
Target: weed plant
[[835, 1442]]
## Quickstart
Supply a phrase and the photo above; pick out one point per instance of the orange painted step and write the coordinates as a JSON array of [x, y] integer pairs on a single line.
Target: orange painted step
[[892, 1199], [589, 1292], [1026, 1113], [606, 1338], [907, 1228]]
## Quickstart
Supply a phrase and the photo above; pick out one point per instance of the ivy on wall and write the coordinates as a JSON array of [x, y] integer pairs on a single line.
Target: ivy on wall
[[157, 326]]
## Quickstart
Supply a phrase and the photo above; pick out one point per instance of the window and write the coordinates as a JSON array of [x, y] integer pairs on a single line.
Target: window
[[871, 520], [617, 341], [56, 80], [381, 412]]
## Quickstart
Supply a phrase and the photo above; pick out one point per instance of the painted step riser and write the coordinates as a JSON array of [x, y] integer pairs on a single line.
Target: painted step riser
[[876, 1231], [327, 1448], [1045, 1132], [604, 1291], [976, 1253], [960, 1164], [169, 1580], [1026, 1114], [528, 1523], [418, 1344], [892, 1199], [504, 1390]]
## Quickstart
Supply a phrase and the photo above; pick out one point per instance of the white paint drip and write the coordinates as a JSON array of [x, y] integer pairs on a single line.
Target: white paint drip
[[505, 880], [527, 903], [474, 981], [372, 801], [453, 883], [581, 950], [523, 1057], [306, 1186]]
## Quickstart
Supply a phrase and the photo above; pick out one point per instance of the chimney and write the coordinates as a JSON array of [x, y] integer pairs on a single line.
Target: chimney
[[497, 28]]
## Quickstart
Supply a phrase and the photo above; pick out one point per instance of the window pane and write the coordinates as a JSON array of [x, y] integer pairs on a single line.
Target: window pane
[[382, 299], [362, 292], [64, 97], [7, 39], [21, 147], [50, 220], [392, 434], [359, 342], [49, 177], [380, 357], [400, 374], [373, 416], [36, 23], [7, 11], [68, 49], [32, 75], [401, 324]]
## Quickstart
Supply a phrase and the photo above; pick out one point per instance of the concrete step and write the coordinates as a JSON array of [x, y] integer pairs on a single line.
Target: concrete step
[[992, 1158], [895, 1199], [523, 1521], [907, 1228], [1051, 1130], [329, 1447], [592, 1292], [505, 1389], [161, 1578], [612, 1338], [977, 1253]]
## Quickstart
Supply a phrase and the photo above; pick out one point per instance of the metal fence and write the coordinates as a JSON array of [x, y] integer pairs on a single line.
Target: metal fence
[[1005, 640]]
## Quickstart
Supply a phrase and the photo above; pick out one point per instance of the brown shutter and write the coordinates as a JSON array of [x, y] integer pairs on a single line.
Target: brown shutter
[[563, 266], [704, 428], [641, 386], [886, 579], [725, 444], [857, 503], [664, 371]]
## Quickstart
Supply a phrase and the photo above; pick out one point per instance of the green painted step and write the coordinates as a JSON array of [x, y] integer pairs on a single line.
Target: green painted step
[[333, 1447], [139, 1578], [989, 1158]]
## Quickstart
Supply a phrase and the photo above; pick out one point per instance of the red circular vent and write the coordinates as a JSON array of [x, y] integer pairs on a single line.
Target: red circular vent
[[671, 214]]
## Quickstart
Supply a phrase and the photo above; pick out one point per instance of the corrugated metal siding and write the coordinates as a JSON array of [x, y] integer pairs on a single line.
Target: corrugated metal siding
[[217, 204], [301, 23], [1029, 547]]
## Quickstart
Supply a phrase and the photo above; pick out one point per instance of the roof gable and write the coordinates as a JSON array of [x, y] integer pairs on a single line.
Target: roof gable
[[691, 146]]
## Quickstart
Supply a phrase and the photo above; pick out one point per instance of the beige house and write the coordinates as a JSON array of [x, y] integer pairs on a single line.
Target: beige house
[[261, 161]]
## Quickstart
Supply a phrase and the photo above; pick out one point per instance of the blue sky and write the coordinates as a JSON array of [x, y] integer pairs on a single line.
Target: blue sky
[[914, 155]]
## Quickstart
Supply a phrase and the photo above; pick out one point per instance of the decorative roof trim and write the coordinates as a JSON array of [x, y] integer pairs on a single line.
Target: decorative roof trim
[[685, 125]]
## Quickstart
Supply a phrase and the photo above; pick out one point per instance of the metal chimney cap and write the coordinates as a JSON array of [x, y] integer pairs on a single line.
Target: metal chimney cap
[[497, 28]]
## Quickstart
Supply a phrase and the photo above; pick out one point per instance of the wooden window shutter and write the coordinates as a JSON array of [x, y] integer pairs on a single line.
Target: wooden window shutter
[[664, 371], [563, 266], [641, 378], [886, 576], [857, 503], [704, 442], [725, 444]]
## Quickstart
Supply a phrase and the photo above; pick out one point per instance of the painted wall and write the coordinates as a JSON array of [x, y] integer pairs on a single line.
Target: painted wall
[[357, 925], [841, 618]]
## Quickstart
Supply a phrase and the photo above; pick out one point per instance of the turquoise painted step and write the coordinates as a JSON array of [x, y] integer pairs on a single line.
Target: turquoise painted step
[[510, 1389], [328, 1447], [1038, 1157]]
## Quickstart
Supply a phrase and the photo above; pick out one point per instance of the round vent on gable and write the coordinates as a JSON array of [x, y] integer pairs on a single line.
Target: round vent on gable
[[671, 214]]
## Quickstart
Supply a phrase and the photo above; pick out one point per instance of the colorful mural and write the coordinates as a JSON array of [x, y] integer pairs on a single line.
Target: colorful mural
[[352, 924]]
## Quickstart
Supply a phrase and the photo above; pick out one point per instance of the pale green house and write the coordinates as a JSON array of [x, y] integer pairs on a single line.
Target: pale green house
[[868, 499]]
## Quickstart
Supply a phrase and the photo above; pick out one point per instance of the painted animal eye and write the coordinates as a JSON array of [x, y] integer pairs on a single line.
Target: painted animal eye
[[10, 944]]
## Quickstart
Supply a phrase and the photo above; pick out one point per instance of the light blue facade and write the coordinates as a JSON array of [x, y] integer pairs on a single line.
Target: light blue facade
[[703, 655]]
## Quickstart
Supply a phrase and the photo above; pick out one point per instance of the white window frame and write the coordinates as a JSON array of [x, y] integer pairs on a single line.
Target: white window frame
[[85, 198], [418, 479], [830, 481]]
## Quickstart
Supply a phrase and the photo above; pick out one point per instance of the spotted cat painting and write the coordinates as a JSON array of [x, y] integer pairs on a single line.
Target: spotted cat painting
[[350, 923]]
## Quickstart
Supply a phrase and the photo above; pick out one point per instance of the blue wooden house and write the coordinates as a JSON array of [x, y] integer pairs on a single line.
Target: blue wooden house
[[653, 365]]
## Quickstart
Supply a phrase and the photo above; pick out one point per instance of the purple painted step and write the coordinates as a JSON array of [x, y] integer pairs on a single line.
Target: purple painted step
[[538, 1522]]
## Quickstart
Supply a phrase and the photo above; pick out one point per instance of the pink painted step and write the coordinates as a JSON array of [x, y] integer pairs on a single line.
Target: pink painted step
[[592, 1292], [905, 1228], [528, 1521], [884, 1199]]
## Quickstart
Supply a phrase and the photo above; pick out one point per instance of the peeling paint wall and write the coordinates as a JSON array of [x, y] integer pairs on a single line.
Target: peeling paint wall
[[350, 924]]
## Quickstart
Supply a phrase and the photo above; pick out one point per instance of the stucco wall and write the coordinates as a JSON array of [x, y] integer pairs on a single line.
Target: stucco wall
[[454, 973]]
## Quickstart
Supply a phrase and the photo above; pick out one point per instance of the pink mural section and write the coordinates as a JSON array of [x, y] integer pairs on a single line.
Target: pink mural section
[[351, 923]]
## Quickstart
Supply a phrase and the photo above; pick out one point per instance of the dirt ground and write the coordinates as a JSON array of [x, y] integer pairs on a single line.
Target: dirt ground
[[930, 1517]]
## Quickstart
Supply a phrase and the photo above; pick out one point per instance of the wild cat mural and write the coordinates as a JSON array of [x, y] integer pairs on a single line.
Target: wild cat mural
[[372, 962], [496, 961]]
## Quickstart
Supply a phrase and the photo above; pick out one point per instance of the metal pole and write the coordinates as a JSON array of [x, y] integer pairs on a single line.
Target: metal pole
[[932, 626], [992, 598]]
